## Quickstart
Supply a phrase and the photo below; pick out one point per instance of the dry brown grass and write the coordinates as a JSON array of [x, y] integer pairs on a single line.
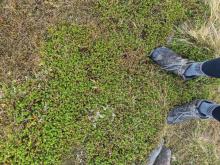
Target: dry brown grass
[[198, 142], [208, 33], [194, 143], [22, 27]]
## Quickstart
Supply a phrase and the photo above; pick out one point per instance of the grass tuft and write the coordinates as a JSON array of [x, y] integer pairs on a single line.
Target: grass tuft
[[197, 142], [207, 33]]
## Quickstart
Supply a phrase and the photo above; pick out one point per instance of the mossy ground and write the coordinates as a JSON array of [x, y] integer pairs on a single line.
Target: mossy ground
[[98, 98]]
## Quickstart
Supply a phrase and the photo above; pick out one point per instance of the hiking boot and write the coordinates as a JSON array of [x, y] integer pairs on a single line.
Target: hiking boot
[[171, 62], [160, 155], [186, 112], [164, 158]]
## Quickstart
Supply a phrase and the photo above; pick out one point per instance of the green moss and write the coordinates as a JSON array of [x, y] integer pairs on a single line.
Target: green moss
[[103, 97]]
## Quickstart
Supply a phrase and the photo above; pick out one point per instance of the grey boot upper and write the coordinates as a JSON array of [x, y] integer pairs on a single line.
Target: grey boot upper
[[170, 61], [186, 112]]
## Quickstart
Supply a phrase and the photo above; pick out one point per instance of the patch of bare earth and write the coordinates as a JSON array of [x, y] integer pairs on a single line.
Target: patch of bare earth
[[130, 59], [22, 28]]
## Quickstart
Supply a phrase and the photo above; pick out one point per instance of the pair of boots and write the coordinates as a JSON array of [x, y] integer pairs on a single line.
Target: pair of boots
[[187, 69]]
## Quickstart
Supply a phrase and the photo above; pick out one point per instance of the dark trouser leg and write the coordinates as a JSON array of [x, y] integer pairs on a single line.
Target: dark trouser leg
[[212, 68], [216, 113]]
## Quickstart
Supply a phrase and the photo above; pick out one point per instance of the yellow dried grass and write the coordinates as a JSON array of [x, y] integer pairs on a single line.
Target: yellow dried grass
[[209, 32]]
